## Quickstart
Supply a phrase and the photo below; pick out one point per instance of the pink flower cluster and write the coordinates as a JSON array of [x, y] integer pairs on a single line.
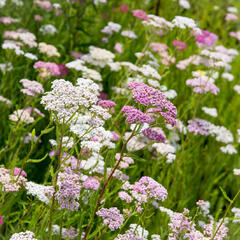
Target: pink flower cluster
[[180, 45], [153, 135], [203, 85], [198, 126], [9, 182], [91, 183], [209, 230], [149, 96], [106, 103], [206, 39], [138, 13], [125, 162], [69, 189], [46, 5], [151, 188], [111, 217], [134, 115], [179, 225], [31, 88], [52, 68]]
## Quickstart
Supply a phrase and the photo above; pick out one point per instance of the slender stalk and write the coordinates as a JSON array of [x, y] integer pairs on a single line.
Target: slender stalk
[[55, 186]]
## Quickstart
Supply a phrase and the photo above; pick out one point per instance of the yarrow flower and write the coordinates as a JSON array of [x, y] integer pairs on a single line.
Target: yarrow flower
[[48, 49], [31, 88], [206, 39], [134, 115], [91, 183], [23, 236], [209, 230], [106, 103], [8, 180], [146, 95], [153, 135], [140, 14], [147, 185], [180, 45], [21, 115], [111, 217]]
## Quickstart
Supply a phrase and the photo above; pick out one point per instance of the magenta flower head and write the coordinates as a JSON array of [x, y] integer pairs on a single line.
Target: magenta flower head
[[153, 135], [206, 39], [17, 171], [134, 115], [124, 8], [106, 103], [151, 188], [1, 222], [138, 13], [91, 183], [180, 45], [149, 96]]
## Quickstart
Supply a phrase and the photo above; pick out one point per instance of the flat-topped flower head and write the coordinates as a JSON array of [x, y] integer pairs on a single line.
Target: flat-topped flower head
[[147, 185], [111, 217], [134, 115], [138, 13], [149, 96]]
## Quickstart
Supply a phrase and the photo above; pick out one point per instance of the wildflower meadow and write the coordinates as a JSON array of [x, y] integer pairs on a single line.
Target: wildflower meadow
[[120, 119]]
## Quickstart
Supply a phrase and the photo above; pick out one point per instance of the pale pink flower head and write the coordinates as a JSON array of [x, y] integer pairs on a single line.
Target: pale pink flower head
[[180, 45], [118, 48], [1, 222], [17, 171], [76, 54], [138, 13], [115, 136], [206, 39], [7, 20], [158, 47], [46, 5], [231, 17], [38, 18], [124, 8]]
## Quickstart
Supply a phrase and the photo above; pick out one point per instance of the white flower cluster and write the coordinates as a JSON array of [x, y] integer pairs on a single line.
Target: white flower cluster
[[89, 73], [95, 163], [221, 133], [167, 150], [23, 236], [18, 2], [2, 3], [139, 231], [237, 88], [185, 22], [3, 99], [49, 49], [210, 111], [6, 67], [129, 34], [236, 171], [93, 138], [111, 28], [136, 143], [48, 29], [236, 212], [228, 76], [229, 149], [67, 142], [21, 115], [184, 3], [158, 22], [65, 99], [98, 56], [39, 191]]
